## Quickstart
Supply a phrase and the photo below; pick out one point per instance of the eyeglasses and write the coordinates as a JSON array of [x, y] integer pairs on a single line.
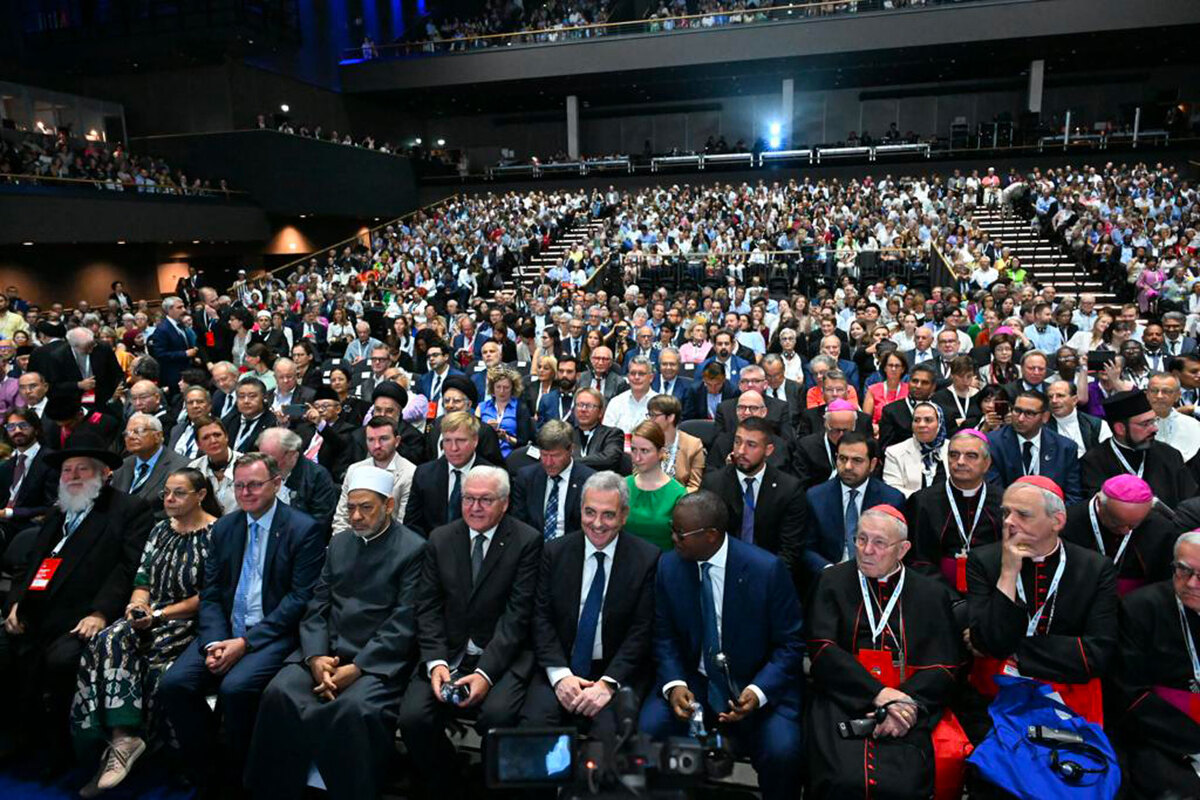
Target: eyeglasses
[[17, 426], [140, 431], [485, 501], [1183, 571], [874, 544], [1025, 412], [178, 494], [681, 535], [249, 486]]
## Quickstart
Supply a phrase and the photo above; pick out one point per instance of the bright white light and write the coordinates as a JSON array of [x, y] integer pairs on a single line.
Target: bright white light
[[285, 108], [774, 142], [417, 140], [776, 129], [441, 142]]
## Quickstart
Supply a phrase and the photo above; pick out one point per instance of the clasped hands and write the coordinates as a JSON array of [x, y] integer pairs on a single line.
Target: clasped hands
[[581, 696], [681, 699], [901, 714], [476, 684], [331, 677]]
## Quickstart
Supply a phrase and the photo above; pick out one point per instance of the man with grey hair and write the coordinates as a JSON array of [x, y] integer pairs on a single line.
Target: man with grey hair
[[79, 363], [144, 471], [645, 344], [626, 410], [1041, 603], [225, 377], [474, 607], [584, 573], [172, 345], [1156, 683], [307, 486], [547, 494], [908, 618], [358, 350]]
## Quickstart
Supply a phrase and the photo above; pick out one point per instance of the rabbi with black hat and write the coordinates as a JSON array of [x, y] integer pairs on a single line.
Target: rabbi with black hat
[[458, 393], [1133, 450], [389, 400], [77, 580], [65, 416]]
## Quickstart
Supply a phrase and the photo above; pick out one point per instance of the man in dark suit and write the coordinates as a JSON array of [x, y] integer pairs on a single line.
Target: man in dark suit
[[262, 565], [224, 398], [458, 394], [782, 455], [65, 416], [169, 345], [389, 399], [332, 448], [250, 418], [779, 387], [144, 471], [287, 391], [645, 347], [1028, 447], [1175, 342], [309, 328], [831, 346], [213, 334], [740, 657], [79, 363], [816, 454], [28, 484], [546, 495], [307, 486], [436, 495], [667, 381], [753, 379], [706, 394], [1035, 366], [431, 384], [474, 606], [599, 573], [559, 402], [597, 446], [766, 506], [601, 374], [895, 424], [1066, 418], [836, 504], [77, 580], [724, 356]]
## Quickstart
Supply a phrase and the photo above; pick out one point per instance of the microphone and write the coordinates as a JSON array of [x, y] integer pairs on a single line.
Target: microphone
[[723, 662]]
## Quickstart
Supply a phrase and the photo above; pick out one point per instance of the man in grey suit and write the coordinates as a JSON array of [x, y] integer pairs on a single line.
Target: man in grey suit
[[144, 471], [600, 375]]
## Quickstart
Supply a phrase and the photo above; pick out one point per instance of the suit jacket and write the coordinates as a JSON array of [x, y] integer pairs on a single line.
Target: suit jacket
[[794, 397], [633, 351], [848, 367], [604, 451], [814, 459], [627, 622], [320, 338], [221, 347], [428, 505], [56, 363], [168, 462], [218, 404], [1089, 428], [529, 492], [169, 348], [614, 384], [99, 561], [690, 460], [295, 552], [780, 513], [778, 414], [425, 382], [233, 426], [1059, 460], [494, 611], [488, 448], [679, 390], [695, 406], [364, 606], [825, 535], [733, 367], [761, 625], [550, 407], [902, 467], [301, 395], [335, 445], [312, 491], [37, 492]]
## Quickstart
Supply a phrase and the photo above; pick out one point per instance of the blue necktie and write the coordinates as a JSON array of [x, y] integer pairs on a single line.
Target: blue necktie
[[748, 512], [241, 600], [456, 496], [851, 520], [143, 470], [585, 634], [718, 694], [550, 529]]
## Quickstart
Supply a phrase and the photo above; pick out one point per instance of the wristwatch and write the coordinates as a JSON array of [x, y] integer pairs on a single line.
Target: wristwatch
[[156, 615]]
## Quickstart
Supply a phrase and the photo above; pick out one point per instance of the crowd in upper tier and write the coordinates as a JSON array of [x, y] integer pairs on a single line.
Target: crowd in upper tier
[[389, 492]]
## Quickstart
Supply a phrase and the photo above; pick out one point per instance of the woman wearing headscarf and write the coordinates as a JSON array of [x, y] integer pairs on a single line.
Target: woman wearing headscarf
[[918, 462]]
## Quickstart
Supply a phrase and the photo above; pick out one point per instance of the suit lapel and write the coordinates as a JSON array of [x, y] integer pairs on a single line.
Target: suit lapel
[[766, 493], [76, 548], [494, 554], [237, 547], [735, 580], [572, 563]]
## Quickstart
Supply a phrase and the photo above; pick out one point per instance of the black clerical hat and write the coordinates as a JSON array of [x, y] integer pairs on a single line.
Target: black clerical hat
[[1121, 406]]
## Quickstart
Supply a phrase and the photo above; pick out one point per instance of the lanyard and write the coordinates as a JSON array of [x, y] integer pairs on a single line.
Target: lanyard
[[1100, 539], [1191, 646], [869, 604], [966, 404], [1117, 452], [963, 533], [68, 532], [1031, 629]]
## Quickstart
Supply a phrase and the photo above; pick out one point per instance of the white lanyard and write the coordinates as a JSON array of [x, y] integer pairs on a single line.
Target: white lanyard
[[1031, 629], [832, 460], [672, 452], [869, 605], [963, 533], [1117, 452], [1191, 646], [965, 405], [1100, 539]]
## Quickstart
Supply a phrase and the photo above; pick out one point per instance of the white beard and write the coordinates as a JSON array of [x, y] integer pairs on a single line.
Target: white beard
[[74, 502]]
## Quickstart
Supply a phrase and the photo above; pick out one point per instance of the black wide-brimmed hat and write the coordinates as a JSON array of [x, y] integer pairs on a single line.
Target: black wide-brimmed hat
[[84, 444]]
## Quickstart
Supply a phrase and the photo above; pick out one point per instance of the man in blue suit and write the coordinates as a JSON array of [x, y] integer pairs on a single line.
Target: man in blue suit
[[430, 384], [835, 505], [169, 345], [1028, 447], [723, 354], [558, 403], [727, 635], [534, 500], [263, 563], [707, 393], [645, 347], [668, 381]]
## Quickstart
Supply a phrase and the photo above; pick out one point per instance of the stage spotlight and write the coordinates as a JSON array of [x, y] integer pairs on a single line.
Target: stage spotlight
[[285, 108]]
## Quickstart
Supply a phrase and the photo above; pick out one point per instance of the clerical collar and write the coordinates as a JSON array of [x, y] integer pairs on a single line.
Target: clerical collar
[[895, 573], [1051, 554], [966, 492], [374, 536]]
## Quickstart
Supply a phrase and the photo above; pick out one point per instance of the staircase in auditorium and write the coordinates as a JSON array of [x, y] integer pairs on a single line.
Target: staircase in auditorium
[[582, 232], [1044, 261]]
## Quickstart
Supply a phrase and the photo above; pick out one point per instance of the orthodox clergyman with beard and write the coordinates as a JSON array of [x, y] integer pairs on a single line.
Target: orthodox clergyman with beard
[[78, 580]]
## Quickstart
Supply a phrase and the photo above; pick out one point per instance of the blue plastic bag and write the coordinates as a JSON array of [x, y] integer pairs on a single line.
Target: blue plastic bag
[[1009, 760]]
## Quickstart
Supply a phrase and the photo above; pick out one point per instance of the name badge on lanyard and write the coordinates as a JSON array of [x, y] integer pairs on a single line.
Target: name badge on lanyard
[[1036, 618], [1117, 452], [45, 573], [1100, 539], [964, 535], [877, 627]]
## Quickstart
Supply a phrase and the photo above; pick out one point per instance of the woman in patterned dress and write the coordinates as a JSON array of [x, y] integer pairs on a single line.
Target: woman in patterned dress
[[123, 663]]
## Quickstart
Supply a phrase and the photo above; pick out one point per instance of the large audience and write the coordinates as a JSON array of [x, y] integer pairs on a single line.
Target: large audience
[[858, 524]]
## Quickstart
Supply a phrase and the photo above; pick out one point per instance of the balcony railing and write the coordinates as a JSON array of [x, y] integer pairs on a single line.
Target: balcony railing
[[118, 187]]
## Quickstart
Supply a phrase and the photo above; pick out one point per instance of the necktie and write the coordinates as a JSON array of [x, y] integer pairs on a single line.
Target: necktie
[[718, 695], [244, 430], [477, 557], [241, 600], [851, 522], [587, 439], [1027, 457], [189, 443], [436, 391], [551, 527], [18, 474], [585, 634], [456, 496], [229, 401], [139, 476], [1172, 347], [748, 512]]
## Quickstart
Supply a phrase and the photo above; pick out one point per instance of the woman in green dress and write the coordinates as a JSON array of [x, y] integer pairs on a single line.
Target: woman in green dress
[[121, 666], [652, 492]]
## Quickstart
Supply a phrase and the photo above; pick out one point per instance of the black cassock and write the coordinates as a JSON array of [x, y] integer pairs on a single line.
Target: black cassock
[[363, 612], [923, 643], [1145, 559], [937, 539], [1163, 469], [1154, 684], [1076, 637]]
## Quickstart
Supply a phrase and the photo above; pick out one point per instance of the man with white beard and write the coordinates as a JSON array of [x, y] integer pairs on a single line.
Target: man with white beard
[[77, 580]]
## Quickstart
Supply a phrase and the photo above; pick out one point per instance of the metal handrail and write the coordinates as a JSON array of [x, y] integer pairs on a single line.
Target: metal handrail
[[132, 187]]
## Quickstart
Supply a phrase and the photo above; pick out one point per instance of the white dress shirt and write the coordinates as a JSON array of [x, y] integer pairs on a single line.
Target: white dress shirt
[[1035, 462], [1068, 426], [556, 674], [626, 412], [758, 481], [793, 368], [565, 475]]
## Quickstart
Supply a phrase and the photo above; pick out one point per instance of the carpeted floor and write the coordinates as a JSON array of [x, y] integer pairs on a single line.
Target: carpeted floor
[[149, 784]]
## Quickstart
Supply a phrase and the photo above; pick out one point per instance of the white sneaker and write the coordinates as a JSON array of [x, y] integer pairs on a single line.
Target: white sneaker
[[118, 760]]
